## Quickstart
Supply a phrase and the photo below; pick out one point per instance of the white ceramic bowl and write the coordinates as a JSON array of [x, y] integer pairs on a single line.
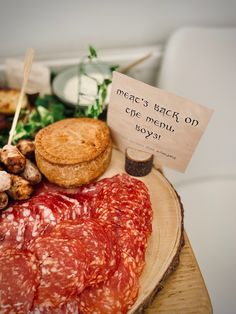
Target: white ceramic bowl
[[66, 84]]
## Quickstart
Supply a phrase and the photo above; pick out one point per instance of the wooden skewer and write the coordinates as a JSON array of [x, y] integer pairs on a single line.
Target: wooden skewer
[[27, 68], [133, 64]]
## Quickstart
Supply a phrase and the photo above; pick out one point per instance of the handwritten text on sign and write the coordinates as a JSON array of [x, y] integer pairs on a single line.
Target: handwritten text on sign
[[155, 121]]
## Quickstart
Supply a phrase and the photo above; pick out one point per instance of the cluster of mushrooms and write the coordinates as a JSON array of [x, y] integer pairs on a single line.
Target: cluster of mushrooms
[[18, 172]]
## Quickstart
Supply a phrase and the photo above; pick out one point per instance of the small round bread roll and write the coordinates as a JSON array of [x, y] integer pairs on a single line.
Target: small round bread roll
[[73, 151]]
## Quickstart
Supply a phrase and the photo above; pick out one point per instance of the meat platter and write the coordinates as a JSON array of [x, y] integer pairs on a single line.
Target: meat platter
[[161, 257]]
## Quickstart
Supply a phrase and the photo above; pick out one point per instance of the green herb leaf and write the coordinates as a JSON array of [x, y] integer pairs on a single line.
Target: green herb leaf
[[114, 67], [104, 95], [57, 112], [92, 53], [107, 82], [46, 116], [20, 132]]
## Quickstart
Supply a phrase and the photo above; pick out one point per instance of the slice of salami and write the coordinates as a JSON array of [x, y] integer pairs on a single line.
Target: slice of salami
[[116, 295], [70, 307], [100, 246], [62, 207], [19, 280], [46, 186], [112, 216], [132, 242], [24, 222], [122, 194], [12, 230], [62, 269]]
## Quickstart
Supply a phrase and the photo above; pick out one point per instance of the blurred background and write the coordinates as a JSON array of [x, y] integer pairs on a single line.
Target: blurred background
[[193, 47], [58, 26]]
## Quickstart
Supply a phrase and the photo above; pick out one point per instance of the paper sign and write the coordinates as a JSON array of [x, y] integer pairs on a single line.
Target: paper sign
[[39, 79], [155, 121]]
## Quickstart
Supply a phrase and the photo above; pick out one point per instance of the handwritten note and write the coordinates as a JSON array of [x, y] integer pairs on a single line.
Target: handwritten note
[[155, 121]]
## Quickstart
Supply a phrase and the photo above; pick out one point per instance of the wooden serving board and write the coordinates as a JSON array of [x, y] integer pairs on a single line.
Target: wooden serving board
[[166, 239]]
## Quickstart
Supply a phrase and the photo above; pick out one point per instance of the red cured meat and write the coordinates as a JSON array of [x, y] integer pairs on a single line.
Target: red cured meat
[[110, 215], [62, 207], [132, 242], [19, 280], [45, 186], [116, 295], [62, 270], [22, 223], [100, 246], [94, 239], [120, 195], [70, 307], [12, 230]]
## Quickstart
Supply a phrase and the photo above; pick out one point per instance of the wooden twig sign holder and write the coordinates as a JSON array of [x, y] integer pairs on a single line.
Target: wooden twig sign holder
[[139, 163], [27, 68]]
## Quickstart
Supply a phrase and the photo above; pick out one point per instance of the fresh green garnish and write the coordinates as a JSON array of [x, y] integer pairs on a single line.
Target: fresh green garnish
[[48, 109], [114, 67], [95, 109], [92, 53]]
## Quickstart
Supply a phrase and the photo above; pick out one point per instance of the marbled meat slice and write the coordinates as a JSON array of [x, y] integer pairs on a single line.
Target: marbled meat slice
[[12, 230], [62, 269], [100, 246], [123, 194], [71, 307], [26, 221], [62, 206], [45, 186], [19, 274], [132, 242], [116, 295], [110, 215]]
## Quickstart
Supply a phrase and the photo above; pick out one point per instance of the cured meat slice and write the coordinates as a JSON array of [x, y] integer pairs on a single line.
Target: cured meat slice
[[62, 269], [94, 239], [19, 280], [12, 230], [26, 221], [100, 246], [70, 307], [46, 186], [62, 207], [122, 194], [132, 242], [116, 295], [110, 215]]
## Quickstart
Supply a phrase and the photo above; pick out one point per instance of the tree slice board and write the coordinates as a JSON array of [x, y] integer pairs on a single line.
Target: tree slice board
[[166, 240], [184, 291]]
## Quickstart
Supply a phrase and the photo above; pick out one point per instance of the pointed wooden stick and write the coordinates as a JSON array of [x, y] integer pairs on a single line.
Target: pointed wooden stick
[[27, 68], [133, 64]]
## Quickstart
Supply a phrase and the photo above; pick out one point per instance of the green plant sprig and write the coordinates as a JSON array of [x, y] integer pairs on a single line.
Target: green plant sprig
[[49, 109], [95, 109]]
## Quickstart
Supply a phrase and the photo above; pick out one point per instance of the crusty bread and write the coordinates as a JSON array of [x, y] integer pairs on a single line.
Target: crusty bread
[[9, 99], [73, 151]]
